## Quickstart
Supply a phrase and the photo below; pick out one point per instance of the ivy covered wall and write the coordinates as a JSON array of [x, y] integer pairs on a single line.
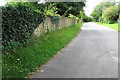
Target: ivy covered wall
[[18, 24], [21, 22]]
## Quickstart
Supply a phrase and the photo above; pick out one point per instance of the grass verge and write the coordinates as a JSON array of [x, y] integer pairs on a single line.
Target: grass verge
[[27, 59], [113, 26]]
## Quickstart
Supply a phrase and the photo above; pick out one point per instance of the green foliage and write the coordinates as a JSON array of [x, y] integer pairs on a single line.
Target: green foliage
[[73, 16], [66, 8], [81, 15], [48, 9], [32, 5], [51, 10], [18, 24], [110, 14], [101, 19], [87, 19], [97, 12], [54, 19], [27, 59], [84, 17]]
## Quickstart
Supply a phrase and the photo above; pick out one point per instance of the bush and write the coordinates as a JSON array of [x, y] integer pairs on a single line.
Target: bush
[[18, 24], [110, 14], [87, 19]]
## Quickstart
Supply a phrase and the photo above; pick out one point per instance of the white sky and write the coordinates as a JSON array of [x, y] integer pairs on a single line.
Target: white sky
[[90, 5], [2, 2]]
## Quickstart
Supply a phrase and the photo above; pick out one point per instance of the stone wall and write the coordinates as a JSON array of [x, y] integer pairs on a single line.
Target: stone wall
[[47, 25]]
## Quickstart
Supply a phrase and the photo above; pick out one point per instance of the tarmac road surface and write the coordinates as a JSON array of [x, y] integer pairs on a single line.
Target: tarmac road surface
[[92, 54]]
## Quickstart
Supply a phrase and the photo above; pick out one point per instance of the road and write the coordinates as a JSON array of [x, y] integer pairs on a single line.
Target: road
[[92, 54]]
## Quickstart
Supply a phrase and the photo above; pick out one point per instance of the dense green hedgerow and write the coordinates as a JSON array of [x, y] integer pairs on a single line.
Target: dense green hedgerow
[[18, 24]]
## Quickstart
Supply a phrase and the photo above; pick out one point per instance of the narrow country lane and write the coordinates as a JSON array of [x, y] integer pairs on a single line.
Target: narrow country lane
[[92, 54]]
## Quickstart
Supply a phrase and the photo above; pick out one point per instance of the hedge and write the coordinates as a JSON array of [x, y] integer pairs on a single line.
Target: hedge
[[18, 24]]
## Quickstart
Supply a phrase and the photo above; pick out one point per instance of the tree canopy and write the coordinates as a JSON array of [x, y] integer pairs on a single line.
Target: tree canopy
[[66, 8], [110, 14], [52, 8], [98, 10]]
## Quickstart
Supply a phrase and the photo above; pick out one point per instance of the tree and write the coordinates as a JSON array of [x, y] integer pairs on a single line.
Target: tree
[[110, 15], [66, 8], [53, 8], [46, 8], [97, 12], [81, 15], [84, 17], [50, 9], [32, 5]]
